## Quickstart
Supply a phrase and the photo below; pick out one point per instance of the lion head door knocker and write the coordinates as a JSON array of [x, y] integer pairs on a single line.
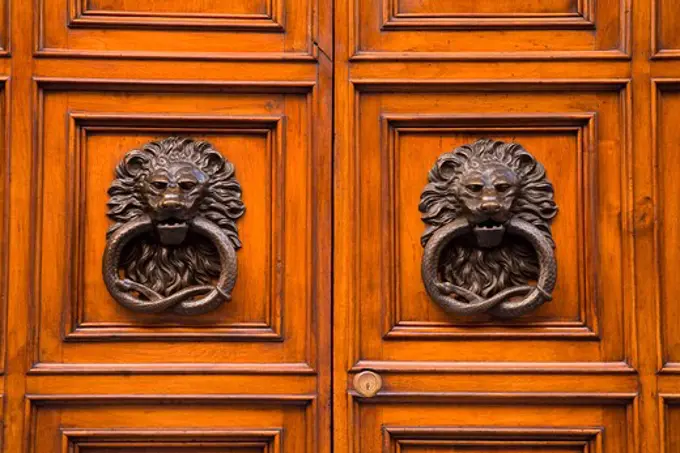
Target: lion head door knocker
[[173, 243], [488, 243]]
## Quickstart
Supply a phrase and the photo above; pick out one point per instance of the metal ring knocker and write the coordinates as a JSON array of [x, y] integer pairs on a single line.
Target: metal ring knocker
[[183, 300], [488, 206], [167, 196], [498, 305]]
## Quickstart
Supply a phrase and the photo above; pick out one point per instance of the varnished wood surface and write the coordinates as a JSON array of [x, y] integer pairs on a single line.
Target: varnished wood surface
[[332, 115], [86, 81], [591, 90]]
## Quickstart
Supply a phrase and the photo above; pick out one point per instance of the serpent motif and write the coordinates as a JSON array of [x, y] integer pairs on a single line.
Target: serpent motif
[[488, 208], [174, 203]]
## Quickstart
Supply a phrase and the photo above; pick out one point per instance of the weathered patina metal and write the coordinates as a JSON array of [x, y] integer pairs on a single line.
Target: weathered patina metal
[[174, 204], [488, 208]]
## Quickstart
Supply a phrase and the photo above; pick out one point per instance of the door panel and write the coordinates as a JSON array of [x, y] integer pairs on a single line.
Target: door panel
[[578, 132], [336, 116], [104, 426], [500, 30], [85, 131], [667, 97], [567, 82], [261, 28], [92, 80], [508, 424]]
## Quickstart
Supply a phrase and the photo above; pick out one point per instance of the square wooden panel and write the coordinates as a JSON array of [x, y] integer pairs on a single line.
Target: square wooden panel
[[180, 424], [666, 102], [270, 29], [578, 132], [85, 129], [480, 423], [410, 29]]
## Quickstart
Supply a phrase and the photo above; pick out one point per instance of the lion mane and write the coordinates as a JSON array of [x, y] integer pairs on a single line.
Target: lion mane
[[167, 269], [512, 263]]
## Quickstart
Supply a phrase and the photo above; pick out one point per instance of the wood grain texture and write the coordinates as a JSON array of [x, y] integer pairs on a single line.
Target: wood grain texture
[[278, 226], [432, 118], [91, 80], [485, 30], [511, 422], [148, 29], [361, 94], [414, 79], [665, 42], [77, 423]]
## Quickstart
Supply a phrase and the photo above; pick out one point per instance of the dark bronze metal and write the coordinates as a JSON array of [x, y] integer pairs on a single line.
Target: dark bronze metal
[[174, 203], [488, 208]]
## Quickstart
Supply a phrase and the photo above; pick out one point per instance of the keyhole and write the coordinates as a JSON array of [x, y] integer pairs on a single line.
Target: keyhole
[[367, 383]]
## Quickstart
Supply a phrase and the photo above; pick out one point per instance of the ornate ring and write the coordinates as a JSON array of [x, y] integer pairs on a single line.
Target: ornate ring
[[488, 207], [498, 305], [174, 240]]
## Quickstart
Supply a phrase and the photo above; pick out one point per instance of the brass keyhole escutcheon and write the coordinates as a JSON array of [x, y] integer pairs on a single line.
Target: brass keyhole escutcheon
[[367, 383]]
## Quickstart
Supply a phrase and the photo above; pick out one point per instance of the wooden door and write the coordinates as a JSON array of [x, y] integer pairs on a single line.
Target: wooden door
[[335, 117], [590, 90], [84, 83]]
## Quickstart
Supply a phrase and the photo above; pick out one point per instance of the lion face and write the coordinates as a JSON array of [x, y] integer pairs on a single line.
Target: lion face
[[488, 183], [173, 181], [487, 192], [173, 195]]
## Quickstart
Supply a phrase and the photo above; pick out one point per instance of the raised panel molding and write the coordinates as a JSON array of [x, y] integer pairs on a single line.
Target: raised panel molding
[[278, 30], [595, 116], [583, 440], [669, 416], [278, 117], [82, 124], [5, 30], [583, 126], [581, 19], [264, 441], [570, 422], [82, 16], [596, 29], [666, 98], [5, 155], [68, 423], [665, 30]]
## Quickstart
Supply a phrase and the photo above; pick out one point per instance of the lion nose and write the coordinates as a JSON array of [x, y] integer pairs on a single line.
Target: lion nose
[[171, 204], [490, 207]]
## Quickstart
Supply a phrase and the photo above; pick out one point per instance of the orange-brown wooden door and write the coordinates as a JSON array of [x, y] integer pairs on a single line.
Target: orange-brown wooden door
[[87, 81], [332, 115], [590, 89]]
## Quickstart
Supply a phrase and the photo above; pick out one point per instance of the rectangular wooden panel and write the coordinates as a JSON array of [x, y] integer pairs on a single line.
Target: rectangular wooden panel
[[665, 29], [4, 29], [4, 215], [85, 130], [669, 412], [484, 423], [666, 135], [578, 131], [179, 424], [406, 29], [270, 29]]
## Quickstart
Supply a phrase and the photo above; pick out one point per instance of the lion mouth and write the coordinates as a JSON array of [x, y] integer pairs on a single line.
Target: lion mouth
[[172, 231], [489, 233]]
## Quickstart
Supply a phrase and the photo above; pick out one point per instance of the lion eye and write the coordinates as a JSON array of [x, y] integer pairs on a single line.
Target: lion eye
[[159, 185], [502, 187], [187, 185], [474, 187]]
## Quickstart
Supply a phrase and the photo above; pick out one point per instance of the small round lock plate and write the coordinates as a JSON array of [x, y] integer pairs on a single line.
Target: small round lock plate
[[367, 383]]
